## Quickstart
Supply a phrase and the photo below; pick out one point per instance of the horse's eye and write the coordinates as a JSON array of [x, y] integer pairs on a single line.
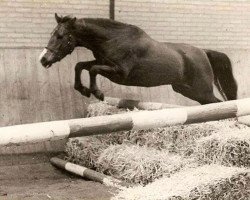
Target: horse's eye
[[59, 36]]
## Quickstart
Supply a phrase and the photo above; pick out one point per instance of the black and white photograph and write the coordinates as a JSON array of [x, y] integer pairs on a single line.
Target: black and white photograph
[[124, 100]]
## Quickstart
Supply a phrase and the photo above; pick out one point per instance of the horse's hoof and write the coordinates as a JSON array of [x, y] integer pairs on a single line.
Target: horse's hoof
[[99, 95], [87, 92], [84, 91]]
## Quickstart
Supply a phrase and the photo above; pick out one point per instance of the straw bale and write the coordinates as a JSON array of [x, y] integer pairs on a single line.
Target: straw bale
[[206, 182], [135, 164], [84, 151], [230, 147]]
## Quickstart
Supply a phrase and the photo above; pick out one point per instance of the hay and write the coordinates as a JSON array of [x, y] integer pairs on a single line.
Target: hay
[[178, 139], [145, 155], [84, 151], [206, 182], [230, 147], [102, 108], [135, 164]]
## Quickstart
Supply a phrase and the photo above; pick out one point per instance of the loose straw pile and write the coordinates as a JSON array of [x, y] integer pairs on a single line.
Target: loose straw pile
[[206, 182]]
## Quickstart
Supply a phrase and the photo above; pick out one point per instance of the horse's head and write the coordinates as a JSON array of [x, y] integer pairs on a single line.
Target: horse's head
[[61, 43]]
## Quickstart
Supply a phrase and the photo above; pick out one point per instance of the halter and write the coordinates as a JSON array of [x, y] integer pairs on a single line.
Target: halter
[[56, 52], [52, 50]]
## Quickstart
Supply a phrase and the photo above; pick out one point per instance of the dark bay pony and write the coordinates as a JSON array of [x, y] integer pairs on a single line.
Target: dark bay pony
[[126, 55]]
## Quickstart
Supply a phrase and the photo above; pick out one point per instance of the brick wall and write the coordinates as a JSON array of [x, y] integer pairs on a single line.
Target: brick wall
[[210, 24], [28, 22]]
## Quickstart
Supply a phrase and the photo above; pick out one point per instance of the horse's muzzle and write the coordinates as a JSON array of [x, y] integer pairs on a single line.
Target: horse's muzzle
[[45, 62]]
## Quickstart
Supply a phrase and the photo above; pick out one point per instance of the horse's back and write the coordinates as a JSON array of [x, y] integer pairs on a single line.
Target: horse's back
[[195, 59], [186, 50]]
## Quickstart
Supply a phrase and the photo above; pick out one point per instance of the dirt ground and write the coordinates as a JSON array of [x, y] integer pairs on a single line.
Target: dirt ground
[[33, 177]]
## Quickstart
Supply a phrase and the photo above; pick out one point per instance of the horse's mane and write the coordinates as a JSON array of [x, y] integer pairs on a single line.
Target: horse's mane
[[106, 23], [112, 26]]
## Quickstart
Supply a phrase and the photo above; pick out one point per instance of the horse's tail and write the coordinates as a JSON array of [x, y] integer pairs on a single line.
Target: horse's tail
[[223, 74]]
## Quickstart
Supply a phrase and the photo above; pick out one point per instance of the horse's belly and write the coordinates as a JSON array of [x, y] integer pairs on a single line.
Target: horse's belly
[[161, 66], [152, 76]]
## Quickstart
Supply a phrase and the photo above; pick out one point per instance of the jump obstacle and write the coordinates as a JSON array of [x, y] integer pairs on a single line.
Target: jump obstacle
[[55, 130], [131, 104]]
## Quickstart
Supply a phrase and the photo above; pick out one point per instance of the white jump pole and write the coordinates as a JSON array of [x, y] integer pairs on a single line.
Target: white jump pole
[[88, 173], [46, 131], [131, 104]]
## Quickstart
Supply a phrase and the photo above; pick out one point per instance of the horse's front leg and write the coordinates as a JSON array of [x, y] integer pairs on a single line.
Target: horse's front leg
[[78, 70], [106, 71]]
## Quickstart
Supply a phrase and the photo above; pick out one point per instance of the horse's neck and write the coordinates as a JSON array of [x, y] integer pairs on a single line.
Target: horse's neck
[[90, 35]]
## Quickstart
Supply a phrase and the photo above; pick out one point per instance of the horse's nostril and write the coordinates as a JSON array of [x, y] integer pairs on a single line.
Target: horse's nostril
[[43, 60]]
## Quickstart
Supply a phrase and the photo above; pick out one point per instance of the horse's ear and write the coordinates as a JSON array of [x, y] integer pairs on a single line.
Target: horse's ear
[[58, 19]]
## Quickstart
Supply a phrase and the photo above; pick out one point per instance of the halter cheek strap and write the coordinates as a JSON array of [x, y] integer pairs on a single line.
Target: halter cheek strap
[[56, 52], [52, 50]]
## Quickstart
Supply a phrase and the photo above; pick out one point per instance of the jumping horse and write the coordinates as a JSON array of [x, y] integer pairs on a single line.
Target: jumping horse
[[126, 55]]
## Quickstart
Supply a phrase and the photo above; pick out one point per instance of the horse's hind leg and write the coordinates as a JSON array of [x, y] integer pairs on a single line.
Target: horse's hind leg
[[202, 96]]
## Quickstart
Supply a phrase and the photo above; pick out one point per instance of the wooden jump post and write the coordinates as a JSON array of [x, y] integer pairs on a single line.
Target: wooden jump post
[[55, 130]]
